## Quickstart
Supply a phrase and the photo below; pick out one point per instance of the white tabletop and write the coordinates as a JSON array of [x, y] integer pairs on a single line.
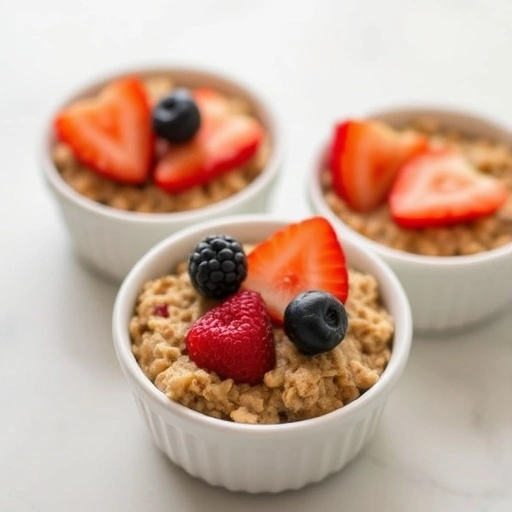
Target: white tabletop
[[70, 435]]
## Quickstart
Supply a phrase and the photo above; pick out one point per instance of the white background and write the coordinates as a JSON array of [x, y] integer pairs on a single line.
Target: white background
[[70, 436]]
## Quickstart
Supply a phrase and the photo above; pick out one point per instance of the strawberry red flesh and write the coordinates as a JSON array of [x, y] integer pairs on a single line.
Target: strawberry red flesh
[[212, 104], [300, 257], [224, 142], [440, 187], [111, 133], [364, 159]]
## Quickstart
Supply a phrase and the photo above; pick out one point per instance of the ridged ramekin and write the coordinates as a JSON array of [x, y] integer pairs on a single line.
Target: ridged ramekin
[[256, 458], [111, 240], [445, 293]]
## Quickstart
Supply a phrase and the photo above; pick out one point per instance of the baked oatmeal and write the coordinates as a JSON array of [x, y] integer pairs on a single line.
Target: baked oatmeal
[[148, 197], [298, 384], [490, 158]]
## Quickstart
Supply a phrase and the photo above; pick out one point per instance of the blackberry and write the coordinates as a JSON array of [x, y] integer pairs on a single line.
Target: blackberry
[[217, 266]]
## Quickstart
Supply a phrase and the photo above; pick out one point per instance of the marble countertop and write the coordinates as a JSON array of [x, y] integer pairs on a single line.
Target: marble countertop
[[70, 435]]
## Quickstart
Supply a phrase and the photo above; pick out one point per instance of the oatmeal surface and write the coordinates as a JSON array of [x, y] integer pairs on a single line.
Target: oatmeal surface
[[492, 159], [149, 198], [299, 387]]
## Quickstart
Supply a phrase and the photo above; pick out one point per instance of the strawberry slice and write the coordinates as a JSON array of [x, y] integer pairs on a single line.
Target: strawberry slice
[[212, 104], [111, 133], [364, 159], [440, 187], [224, 142], [302, 256]]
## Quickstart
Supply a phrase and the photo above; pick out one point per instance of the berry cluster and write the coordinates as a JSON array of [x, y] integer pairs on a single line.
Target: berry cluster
[[286, 280], [198, 134], [424, 186]]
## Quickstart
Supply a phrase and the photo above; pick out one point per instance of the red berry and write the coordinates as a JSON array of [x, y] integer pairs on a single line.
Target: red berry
[[111, 133], [439, 188], [364, 159], [302, 256], [235, 339]]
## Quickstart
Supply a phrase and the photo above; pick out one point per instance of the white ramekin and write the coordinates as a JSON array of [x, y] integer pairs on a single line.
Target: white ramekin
[[445, 293], [256, 458], [110, 240]]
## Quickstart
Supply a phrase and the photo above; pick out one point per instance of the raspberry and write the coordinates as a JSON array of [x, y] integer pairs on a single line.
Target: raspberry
[[235, 339], [217, 266]]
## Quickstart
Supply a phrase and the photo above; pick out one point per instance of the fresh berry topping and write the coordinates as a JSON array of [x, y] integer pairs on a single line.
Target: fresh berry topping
[[111, 133], [224, 142], [439, 187], [364, 159], [315, 322], [235, 339], [176, 117], [302, 256], [217, 266]]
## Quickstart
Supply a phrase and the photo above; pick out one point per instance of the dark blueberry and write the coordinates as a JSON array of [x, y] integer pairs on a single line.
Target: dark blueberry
[[217, 266], [315, 321], [176, 117]]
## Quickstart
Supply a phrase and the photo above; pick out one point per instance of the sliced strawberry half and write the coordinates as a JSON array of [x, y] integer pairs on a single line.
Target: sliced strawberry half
[[111, 133], [440, 187], [302, 256], [212, 104], [364, 159], [224, 142]]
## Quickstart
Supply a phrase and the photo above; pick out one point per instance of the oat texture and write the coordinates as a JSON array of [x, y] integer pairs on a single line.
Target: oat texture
[[149, 198], [490, 158], [299, 387]]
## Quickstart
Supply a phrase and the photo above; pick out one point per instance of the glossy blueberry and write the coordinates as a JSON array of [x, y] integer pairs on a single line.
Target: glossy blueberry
[[217, 266], [176, 117], [315, 321]]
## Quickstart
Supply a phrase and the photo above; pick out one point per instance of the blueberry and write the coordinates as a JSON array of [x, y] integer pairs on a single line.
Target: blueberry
[[315, 322], [176, 117], [217, 266]]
